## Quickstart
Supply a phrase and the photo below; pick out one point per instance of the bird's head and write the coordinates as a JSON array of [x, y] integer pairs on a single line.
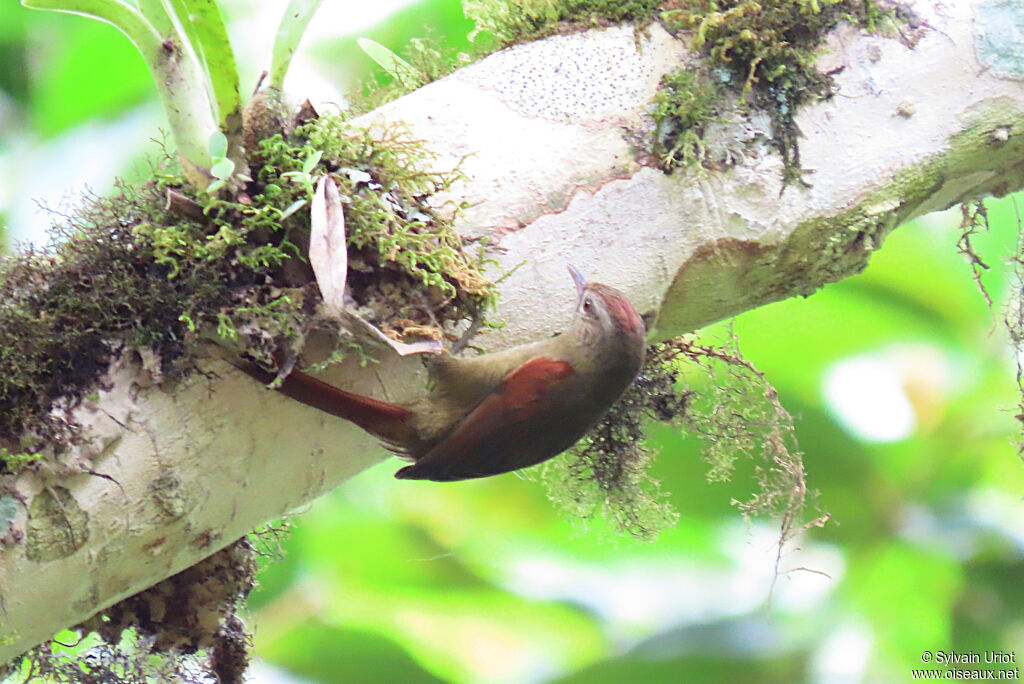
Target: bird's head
[[604, 311]]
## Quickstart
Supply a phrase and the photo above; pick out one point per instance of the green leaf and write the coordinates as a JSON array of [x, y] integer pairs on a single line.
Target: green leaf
[[122, 15], [218, 145], [292, 208], [397, 67], [289, 33], [180, 85], [311, 161], [223, 169], [204, 27]]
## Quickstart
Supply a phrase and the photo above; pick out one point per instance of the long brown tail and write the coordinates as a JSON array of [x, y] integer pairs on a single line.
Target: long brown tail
[[389, 422]]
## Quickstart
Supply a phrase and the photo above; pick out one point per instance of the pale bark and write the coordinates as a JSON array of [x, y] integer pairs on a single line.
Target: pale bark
[[552, 176]]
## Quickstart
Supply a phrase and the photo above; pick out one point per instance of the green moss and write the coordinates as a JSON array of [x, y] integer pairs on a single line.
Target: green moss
[[135, 271], [714, 394], [606, 473], [428, 59], [16, 460], [407, 267], [764, 51], [736, 413], [388, 221], [68, 309], [685, 104], [515, 21]]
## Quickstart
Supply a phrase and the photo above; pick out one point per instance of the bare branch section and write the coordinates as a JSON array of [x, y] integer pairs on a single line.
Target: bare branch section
[[551, 138]]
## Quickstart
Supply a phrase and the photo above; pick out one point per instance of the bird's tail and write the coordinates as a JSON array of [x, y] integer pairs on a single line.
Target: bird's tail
[[389, 422]]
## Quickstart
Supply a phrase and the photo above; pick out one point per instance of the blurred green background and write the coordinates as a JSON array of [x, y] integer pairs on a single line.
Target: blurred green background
[[900, 379]]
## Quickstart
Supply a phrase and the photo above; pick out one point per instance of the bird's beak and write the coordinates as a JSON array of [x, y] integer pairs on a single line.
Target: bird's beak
[[577, 278]]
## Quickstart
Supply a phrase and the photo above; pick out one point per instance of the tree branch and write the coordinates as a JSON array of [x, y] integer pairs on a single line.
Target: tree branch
[[547, 134]]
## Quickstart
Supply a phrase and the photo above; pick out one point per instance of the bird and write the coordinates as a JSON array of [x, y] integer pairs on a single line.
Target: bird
[[501, 411]]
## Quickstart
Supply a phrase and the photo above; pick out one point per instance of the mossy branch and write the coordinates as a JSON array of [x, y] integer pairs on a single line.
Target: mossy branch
[[693, 253]]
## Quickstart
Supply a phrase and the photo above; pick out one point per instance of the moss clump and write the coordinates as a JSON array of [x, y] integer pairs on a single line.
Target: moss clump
[[408, 271], [101, 286], [428, 60], [515, 21], [128, 272], [158, 268], [764, 51], [739, 416], [183, 629], [735, 412], [391, 228], [605, 473], [685, 104]]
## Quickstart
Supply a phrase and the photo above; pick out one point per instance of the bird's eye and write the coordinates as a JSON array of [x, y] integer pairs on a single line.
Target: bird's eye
[[588, 304]]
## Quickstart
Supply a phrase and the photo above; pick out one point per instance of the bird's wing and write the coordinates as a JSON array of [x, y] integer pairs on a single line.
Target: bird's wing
[[518, 397]]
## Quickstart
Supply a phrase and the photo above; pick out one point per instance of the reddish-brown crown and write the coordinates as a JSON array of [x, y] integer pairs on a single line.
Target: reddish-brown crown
[[619, 308]]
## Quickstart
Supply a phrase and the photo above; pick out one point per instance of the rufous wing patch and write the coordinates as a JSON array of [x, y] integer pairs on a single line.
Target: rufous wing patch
[[515, 400]]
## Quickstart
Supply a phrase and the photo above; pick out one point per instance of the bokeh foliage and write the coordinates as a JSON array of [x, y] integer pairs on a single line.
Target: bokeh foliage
[[483, 581]]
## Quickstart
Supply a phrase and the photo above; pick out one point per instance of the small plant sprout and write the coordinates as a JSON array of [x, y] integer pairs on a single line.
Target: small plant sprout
[[223, 168], [305, 176]]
